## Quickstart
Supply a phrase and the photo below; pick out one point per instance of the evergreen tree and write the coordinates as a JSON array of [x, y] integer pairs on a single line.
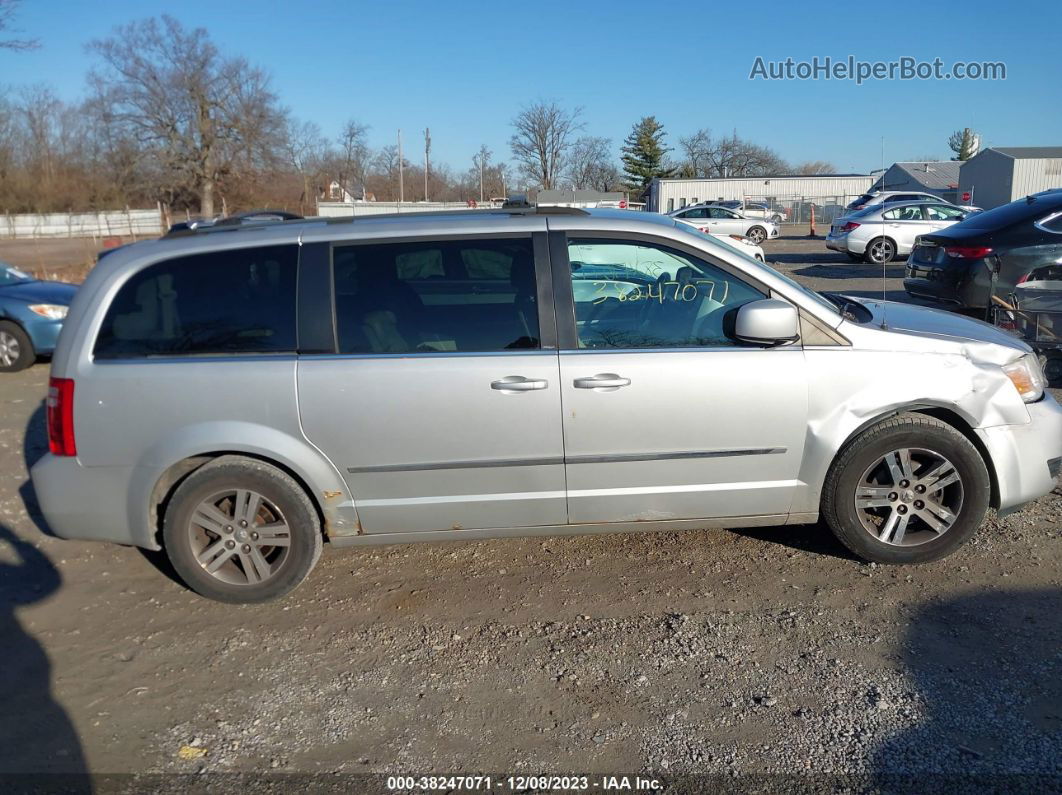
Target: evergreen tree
[[965, 143], [644, 154]]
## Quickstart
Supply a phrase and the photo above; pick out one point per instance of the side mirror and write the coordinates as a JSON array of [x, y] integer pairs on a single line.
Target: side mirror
[[767, 322]]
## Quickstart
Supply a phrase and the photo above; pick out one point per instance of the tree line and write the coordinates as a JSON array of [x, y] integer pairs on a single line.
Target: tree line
[[168, 117]]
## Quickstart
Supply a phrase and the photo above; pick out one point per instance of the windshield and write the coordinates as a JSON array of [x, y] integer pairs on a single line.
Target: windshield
[[9, 274], [797, 286], [861, 200]]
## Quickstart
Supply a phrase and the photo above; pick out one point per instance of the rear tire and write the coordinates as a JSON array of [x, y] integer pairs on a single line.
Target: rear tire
[[240, 530], [16, 348], [863, 492], [879, 251]]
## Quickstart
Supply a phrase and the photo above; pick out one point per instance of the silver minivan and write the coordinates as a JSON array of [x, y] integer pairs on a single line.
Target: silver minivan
[[237, 396]]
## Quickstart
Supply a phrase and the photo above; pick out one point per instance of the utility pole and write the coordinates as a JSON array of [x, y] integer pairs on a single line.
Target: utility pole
[[481, 176], [427, 161], [401, 176]]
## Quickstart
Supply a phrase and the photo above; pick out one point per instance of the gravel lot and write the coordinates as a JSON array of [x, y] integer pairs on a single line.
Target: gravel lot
[[728, 653]]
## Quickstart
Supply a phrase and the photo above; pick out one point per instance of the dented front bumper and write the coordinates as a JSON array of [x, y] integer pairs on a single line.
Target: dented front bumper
[[1024, 456]]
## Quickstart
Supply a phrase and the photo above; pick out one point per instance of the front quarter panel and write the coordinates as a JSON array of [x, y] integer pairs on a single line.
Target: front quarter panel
[[851, 388]]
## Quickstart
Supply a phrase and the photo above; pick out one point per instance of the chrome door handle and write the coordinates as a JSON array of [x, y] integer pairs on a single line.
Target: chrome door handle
[[517, 383], [601, 381]]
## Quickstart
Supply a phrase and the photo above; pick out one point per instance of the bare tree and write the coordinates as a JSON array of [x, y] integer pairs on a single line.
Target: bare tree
[[812, 167], [590, 165], [383, 179], [355, 152], [201, 116], [542, 138], [305, 149], [698, 149], [8, 9], [727, 157]]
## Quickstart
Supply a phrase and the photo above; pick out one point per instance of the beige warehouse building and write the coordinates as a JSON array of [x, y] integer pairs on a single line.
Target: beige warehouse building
[[1002, 174]]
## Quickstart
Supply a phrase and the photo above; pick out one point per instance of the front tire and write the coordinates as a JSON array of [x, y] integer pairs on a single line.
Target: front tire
[[16, 348], [910, 489], [240, 530], [756, 234]]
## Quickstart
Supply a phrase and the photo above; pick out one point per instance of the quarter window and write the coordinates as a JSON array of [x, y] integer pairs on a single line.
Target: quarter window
[[436, 297], [640, 295], [236, 301], [940, 212], [1052, 223]]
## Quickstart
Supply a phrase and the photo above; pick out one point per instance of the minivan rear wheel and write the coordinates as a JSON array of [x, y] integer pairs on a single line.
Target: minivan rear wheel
[[241, 530], [910, 489]]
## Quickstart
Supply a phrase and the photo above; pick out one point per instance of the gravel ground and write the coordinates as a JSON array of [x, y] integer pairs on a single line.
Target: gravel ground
[[760, 657]]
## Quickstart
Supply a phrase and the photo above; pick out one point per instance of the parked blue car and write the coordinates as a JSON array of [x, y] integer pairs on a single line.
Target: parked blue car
[[31, 314]]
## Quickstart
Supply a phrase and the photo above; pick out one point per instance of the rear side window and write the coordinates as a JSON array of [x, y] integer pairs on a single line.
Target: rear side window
[[466, 295], [224, 302], [1052, 224]]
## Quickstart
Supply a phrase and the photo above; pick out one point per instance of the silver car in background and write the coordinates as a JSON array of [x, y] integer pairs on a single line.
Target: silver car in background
[[716, 220], [237, 395], [882, 232]]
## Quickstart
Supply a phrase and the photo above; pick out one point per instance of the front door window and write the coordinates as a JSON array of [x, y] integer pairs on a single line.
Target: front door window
[[642, 295]]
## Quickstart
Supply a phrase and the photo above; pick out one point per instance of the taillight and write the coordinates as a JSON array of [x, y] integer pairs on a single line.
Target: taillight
[[61, 416], [850, 226], [1023, 278], [967, 252], [859, 207]]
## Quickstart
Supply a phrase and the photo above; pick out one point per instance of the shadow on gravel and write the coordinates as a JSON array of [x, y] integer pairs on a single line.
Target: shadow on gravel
[[36, 736], [813, 538], [988, 667], [34, 446]]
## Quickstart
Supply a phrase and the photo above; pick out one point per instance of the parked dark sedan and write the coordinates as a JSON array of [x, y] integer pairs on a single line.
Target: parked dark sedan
[[988, 253], [31, 314]]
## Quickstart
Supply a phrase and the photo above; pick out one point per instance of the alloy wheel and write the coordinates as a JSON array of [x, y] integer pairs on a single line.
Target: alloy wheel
[[10, 350], [881, 251], [909, 497], [239, 537]]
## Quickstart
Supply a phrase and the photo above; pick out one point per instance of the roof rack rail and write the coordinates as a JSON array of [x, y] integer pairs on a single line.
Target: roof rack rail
[[230, 222], [259, 219]]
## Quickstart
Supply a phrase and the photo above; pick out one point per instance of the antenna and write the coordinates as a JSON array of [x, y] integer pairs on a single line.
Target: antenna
[[884, 263]]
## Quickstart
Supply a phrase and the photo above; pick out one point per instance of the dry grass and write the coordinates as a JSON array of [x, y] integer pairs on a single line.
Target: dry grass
[[54, 259]]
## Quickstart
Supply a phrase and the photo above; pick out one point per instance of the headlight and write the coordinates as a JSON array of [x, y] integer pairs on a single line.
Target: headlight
[[1027, 377], [50, 311]]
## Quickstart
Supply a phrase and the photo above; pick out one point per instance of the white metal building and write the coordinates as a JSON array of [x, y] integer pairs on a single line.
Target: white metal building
[[1002, 174], [666, 195]]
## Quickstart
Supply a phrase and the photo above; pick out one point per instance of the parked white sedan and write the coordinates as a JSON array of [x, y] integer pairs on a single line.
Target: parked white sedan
[[880, 233], [723, 221]]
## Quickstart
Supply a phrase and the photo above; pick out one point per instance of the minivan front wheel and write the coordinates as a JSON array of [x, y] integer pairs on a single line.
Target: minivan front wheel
[[910, 489], [240, 530]]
